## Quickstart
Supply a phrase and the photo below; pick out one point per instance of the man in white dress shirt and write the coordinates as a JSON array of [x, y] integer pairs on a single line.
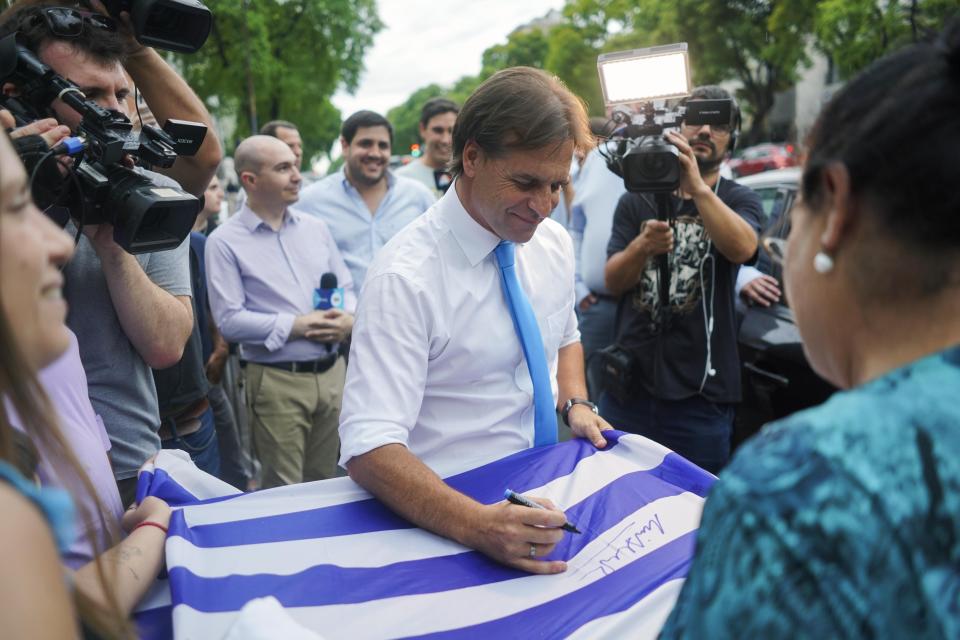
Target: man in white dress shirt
[[438, 382]]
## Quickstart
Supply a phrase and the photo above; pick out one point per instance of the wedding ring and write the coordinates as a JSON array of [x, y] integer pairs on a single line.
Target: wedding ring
[[533, 551]]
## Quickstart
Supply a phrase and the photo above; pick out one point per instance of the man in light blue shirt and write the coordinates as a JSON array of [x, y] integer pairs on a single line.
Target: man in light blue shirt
[[263, 266], [591, 219], [364, 204]]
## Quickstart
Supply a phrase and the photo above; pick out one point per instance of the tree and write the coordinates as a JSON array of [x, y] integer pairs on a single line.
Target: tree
[[282, 59], [854, 33], [525, 48], [760, 43]]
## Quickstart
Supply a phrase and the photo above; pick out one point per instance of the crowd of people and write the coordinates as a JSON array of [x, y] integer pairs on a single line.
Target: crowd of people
[[408, 325]]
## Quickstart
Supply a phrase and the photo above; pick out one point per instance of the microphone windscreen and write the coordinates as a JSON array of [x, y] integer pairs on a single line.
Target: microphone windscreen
[[328, 281]]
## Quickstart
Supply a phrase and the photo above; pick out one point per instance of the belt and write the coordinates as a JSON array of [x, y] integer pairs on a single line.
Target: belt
[[307, 366], [183, 422]]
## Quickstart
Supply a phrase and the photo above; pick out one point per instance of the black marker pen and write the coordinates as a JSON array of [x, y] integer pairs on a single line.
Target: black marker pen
[[516, 498]]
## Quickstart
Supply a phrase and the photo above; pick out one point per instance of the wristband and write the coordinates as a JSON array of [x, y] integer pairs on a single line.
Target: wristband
[[150, 523]]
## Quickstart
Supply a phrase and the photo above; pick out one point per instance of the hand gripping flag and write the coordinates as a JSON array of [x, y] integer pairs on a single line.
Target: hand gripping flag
[[343, 565]]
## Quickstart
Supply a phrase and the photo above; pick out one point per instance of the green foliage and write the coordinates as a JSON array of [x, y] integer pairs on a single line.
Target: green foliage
[[761, 45], [522, 49], [854, 33], [296, 53], [574, 60]]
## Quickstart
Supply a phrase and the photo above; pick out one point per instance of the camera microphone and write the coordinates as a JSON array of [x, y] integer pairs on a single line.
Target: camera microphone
[[328, 295]]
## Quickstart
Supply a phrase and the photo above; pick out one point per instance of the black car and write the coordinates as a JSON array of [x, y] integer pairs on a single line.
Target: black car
[[777, 379]]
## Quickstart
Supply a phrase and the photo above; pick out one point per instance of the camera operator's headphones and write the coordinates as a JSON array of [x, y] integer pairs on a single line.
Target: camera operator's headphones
[[716, 92]]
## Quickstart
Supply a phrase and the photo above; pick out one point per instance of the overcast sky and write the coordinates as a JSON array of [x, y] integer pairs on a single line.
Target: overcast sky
[[426, 41]]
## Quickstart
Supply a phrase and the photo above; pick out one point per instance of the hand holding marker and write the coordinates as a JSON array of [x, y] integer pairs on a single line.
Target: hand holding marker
[[518, 499]]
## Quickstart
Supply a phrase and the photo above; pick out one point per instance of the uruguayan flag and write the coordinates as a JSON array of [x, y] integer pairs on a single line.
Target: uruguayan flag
[[344, 566]]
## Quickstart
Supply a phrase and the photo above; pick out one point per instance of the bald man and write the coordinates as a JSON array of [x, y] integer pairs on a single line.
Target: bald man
[[263, 267]]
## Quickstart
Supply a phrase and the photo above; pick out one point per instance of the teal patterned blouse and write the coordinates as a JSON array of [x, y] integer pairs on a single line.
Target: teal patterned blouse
[[838, 522]]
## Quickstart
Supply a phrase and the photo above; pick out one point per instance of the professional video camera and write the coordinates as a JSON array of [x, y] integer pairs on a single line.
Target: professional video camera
[[649, 77], [175, 25], [100, 187]]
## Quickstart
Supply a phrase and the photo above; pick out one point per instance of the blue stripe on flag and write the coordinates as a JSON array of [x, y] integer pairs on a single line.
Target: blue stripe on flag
[[561, 616], [341, 585], [525, 470], [154, 624], [162, 485]]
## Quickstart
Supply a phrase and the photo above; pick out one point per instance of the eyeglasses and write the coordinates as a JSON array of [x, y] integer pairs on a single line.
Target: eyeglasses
[[719, 130], [776, 248], [68, 23]]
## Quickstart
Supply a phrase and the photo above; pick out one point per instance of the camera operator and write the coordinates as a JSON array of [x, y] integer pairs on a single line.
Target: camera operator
[[685, 373], [129, 312]]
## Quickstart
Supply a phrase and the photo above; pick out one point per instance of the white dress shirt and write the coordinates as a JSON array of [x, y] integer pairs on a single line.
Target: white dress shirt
[[436, 364]]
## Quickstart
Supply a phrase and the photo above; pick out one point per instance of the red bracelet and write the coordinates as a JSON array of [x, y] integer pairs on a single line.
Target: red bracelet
[[148, 523]]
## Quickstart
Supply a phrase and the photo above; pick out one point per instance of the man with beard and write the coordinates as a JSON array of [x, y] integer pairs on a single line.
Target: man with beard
[[437, 118], [364, 204], [263, 266], [684, 380]]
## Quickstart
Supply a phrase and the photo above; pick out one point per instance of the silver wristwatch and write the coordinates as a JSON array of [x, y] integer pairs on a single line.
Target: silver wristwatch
[[569, 405]]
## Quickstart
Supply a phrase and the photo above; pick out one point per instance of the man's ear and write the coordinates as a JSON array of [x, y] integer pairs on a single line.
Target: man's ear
[[248, 178], [472, 157], [423, 132], [344, 145], [841, 209], [10, 89]]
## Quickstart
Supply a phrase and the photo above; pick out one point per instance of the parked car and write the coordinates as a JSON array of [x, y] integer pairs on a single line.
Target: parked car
[[777, 379], [762, 157]]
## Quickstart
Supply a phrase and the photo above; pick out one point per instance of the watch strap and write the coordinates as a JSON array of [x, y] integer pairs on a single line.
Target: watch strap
[[565, 412]]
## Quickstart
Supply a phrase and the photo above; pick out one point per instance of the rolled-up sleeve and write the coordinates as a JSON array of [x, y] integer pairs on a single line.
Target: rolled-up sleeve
[[225, 292], [388, 366]]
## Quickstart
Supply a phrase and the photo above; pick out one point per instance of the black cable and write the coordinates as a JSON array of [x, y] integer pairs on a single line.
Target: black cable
[[36, 167]]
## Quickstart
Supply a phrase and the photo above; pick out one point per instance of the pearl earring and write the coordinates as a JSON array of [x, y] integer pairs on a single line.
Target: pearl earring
[[822, 263]]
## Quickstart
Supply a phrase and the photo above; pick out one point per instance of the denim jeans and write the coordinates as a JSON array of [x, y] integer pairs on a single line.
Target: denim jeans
[[695, 428], [201, 444]]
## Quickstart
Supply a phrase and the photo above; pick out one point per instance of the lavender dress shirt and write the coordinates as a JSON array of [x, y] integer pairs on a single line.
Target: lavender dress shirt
[[259, 280]]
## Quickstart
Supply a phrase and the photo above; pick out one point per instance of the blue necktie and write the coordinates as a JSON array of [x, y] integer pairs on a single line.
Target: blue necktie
[[525, 323]]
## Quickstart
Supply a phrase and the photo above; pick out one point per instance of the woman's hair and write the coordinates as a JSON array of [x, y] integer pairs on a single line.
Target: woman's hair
[[896, 128], [20, 387]]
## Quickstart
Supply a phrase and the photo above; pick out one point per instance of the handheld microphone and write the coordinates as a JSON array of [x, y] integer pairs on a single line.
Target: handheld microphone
[[328, 295]]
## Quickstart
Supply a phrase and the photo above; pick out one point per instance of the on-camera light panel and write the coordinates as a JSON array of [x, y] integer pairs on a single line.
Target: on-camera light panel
[[644, 78]]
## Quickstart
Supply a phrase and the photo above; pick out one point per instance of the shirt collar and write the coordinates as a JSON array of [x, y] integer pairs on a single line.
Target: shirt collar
[[475, 241], [252, 221]]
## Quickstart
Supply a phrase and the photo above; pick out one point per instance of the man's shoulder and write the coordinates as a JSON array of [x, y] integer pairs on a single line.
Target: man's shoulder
[[734, 191], [414, 252], [408, 182], [227, 232], [410, 169], [322, 187]]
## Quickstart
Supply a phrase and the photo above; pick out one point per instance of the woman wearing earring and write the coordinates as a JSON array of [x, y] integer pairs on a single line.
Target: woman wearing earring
[[843, 521]]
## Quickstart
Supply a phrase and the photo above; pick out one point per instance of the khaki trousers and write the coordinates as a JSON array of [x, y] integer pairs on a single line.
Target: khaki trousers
[[294, 419]]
